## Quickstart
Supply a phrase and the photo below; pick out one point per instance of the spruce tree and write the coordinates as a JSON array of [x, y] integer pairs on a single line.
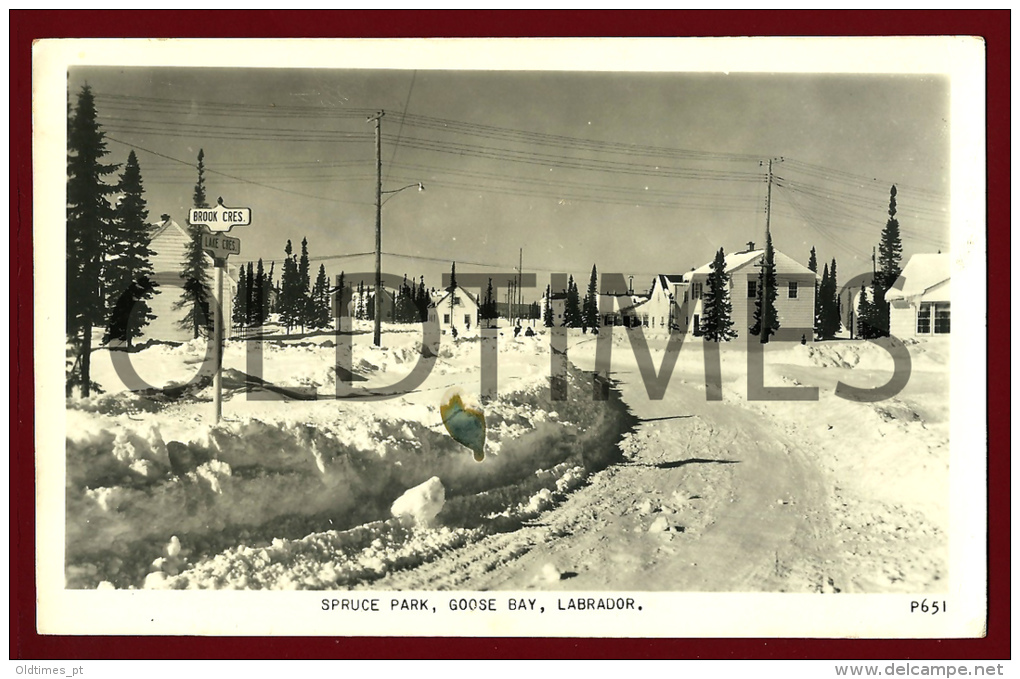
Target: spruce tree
[[572, 308], [269, 293], [305, 306], [290, 290], [865, 313], [488, 306], [89, 218], [591, 303], [128, 277], [453, 278], [252, 304], [766, 319], [198, 316], [547, 314], [423, 301], [890, 252], [320, 300], [260, 296], [820, 307], [239, 312], [717, 320], [821, 304], [832, 315]]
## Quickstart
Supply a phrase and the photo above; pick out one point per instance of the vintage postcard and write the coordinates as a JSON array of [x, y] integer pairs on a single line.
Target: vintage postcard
[[592, 338]]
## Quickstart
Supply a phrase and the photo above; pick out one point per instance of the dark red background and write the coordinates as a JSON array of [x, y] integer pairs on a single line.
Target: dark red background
[[28, 25]]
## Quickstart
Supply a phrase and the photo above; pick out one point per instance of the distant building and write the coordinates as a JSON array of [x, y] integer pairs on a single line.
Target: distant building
[[558, 304], [366, 301], [454, 309], [919, 299], [169, 242], [665, 300], [795, 301]]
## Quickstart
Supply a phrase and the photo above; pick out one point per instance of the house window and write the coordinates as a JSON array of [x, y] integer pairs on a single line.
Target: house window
[[697, 324], [456, 300], [446, 318], [793, 290], [696, 291], [924, 319], [752, 289], [467, 320], [685, 296], [644, 320], [942, 318]]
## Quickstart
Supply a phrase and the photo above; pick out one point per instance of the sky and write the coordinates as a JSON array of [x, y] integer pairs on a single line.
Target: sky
[[635, 172]]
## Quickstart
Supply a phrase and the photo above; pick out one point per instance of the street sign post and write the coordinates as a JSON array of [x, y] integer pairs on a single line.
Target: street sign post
[[217, 221]]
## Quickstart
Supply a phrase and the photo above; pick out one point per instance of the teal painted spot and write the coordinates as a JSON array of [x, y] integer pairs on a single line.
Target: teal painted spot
[[464, 423]]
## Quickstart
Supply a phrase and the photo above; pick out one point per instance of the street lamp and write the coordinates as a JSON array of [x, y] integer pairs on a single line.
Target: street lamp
[[377, 330]]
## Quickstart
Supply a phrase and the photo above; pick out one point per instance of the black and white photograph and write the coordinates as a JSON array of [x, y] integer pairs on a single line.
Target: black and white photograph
[[551, 337]]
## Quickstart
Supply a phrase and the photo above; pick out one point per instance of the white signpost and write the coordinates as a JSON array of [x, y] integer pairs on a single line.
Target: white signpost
[[219, 220]]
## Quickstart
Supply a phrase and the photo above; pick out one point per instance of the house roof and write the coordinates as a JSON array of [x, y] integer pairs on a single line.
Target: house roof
[[440, 300], [664, 280], [735, 261], [158, 229], [922, 273]]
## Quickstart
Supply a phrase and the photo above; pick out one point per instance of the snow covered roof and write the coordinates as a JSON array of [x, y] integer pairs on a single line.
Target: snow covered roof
[[922, 273], [156, 230], [739, 260], [436, 302], [664, 280]]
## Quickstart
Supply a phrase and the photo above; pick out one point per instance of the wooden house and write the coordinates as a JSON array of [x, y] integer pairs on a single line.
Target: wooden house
[[169, 242], [919, 299], [795, 301]]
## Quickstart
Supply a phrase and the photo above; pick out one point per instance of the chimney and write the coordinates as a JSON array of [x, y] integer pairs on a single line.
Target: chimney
[[750, 245], [165, 218]]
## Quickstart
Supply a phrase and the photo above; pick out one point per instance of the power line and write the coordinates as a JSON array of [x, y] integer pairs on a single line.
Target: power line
[[240, 179]]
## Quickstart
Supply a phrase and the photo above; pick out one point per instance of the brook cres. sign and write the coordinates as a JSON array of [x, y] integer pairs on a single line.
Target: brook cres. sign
[[220, 218], [655, 380]]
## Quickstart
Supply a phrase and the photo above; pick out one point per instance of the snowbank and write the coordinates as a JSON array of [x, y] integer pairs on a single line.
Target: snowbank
[[293, 470]]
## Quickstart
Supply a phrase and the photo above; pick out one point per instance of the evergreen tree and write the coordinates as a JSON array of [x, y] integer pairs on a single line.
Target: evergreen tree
[[320, 300], [821, 306], [305, 304], [766, 319], [360, 307], [291, 298], [865, 316], [717, 322], [572, 309], [89, 217], [890, 252], [129, 272], [423, 301], [453, 278], [259, 297], [590, 311], [194, 300], [269, 293], [253, 304], [488, 306], [547, 314], [832, 322], [239, 313], [812, 262]]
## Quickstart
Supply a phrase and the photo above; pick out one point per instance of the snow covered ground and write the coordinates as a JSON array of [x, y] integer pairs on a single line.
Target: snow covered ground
[[630, 493], [298, 493]]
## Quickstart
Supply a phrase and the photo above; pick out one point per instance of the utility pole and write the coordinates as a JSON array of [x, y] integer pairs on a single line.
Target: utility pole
[[520, 270], [377, 331]]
